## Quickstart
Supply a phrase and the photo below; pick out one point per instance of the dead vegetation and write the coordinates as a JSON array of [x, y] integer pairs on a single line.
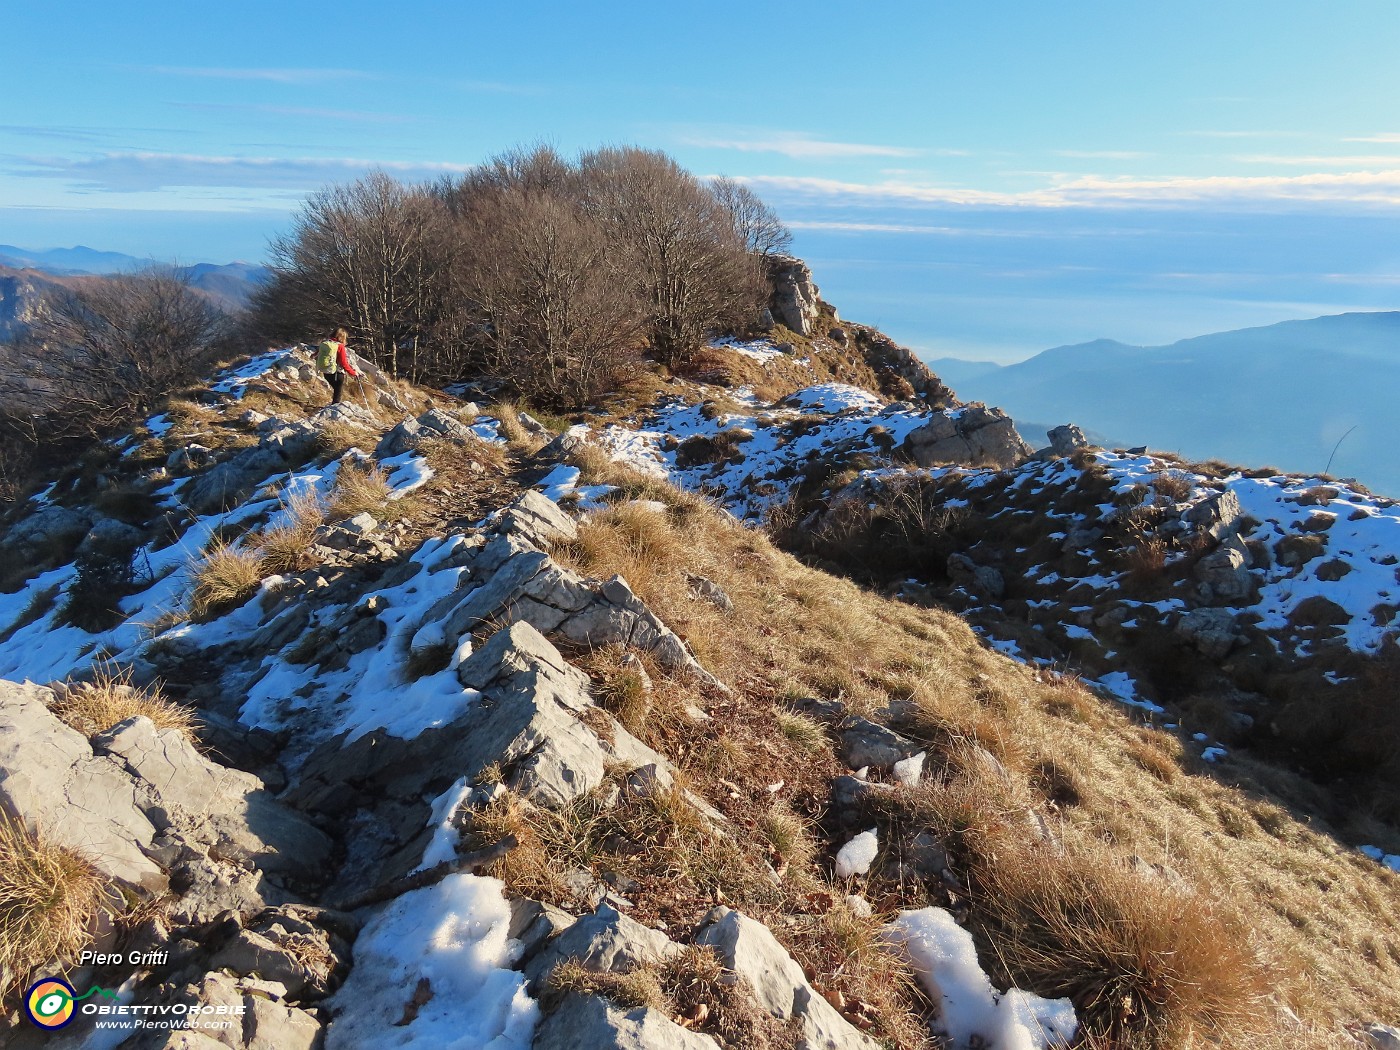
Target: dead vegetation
[[1267, 910], [50, 898], [95, 706]]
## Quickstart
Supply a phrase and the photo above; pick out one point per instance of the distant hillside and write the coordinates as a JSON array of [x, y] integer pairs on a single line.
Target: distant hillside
[[1281, 395], [26, 276], [76, 260]]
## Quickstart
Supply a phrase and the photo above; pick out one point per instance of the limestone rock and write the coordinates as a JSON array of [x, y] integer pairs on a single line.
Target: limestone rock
[[1067, 439], [750, 950], [975, 435], [1380, 1036], [703, 588], [432, 424], [605, 942], [191, 457], [1224, 575], [111, 537], [51, 780], [1214, 632], [529, 720], [54, 529], [982, 580], [864, 743], [225, 810], [795, 297], [1218, 516], [537, 519], [590, 1022]]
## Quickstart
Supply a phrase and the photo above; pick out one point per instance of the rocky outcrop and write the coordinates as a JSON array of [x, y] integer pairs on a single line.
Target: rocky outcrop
[[604, 942], [434, 424], [1223, 576], [975, 435], [149, 810], [53, 781], [54, 530], [889, 358], [508, 579], [227, 483], [530, 720], [1067, 439], [795, 300], [1214, 632]]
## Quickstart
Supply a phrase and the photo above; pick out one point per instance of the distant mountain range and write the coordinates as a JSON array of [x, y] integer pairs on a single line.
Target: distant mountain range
[[1283, 395], [25, 275]]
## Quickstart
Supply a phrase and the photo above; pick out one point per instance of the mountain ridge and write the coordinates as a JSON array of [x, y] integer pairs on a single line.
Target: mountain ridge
[[1283, 393]]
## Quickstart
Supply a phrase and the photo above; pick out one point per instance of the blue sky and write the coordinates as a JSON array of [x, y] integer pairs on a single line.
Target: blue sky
[[985, 180]]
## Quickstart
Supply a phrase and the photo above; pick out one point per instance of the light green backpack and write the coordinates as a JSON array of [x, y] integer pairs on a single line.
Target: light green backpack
[[326, 356]]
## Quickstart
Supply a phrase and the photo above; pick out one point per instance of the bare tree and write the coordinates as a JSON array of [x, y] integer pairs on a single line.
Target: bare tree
[[756, 223], [373, 256], [556, 321], [101, 353], [677, 244]]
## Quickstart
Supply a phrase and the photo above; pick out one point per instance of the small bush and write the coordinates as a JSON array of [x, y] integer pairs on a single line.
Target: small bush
[[699, 450], [49, 902], [103, 578]]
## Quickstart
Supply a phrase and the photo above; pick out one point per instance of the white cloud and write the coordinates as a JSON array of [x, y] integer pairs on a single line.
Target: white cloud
[[138, 172], [800, 147], [872, 227], [1385, 136], [346, 115], [1363, 161], [1373, 188]]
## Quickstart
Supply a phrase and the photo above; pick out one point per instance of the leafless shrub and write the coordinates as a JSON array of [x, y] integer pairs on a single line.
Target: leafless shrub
[[103, 352], [679, 245], [545, 277], [756, 223], [375, 256]]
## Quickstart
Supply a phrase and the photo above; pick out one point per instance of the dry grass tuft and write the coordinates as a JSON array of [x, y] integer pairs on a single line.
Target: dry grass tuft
[[806, 732], [286, 548], [96, 706], [630, 989], [356, 491], [622, 686], [1141, 959], [225, 577], [49, 902]]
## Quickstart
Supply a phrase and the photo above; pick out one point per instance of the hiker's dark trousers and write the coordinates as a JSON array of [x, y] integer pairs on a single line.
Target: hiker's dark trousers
[[337, 382]]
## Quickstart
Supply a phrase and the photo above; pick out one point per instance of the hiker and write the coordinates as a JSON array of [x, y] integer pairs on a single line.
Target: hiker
[[333, 359]]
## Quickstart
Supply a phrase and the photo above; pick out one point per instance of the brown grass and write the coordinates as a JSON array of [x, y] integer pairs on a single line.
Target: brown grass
[[49, 902], [225, 577], [357, 490], [96, 706], [1276, 892], [287, 548]]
